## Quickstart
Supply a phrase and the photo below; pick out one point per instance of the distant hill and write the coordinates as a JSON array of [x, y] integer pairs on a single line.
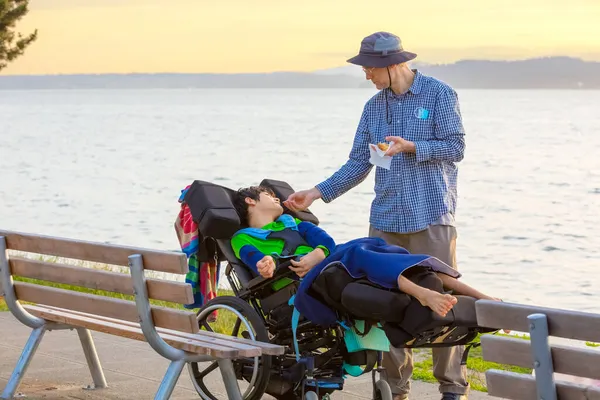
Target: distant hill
[[541, 73]]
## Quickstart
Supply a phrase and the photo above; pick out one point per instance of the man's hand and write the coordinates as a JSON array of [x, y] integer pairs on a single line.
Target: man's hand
[[266, 267], [307, 262], [400, 146], [301, 200]]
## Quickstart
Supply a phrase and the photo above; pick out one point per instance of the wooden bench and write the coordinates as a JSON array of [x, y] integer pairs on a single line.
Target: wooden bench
[[172, 333], [538, 354]]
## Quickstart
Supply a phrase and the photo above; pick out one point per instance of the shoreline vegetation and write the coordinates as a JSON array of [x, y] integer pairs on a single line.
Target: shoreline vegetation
[[423, 363]]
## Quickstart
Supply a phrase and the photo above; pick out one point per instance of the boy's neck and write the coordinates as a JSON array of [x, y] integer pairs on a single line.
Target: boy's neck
[[258, 221]]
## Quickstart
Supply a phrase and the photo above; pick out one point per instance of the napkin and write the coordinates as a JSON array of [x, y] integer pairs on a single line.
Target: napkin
[[377, 157]]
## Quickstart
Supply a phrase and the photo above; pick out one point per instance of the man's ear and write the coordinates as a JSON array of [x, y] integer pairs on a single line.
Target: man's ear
[[250, 201]]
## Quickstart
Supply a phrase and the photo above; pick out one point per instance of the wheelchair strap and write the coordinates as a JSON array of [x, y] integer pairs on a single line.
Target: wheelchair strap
[[357, 370], [466, 352], [295, 319]]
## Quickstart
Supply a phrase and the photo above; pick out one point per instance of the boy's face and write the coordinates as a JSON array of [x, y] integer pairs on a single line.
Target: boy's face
[[267, 204]]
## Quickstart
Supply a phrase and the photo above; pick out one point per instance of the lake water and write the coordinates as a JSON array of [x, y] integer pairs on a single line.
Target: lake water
[[108, 165]]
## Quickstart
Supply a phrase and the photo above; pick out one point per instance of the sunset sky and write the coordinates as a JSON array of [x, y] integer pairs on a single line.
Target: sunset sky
[[223, 36]]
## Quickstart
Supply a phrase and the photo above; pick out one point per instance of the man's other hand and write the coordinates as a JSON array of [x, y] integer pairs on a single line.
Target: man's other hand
[[400, 145]]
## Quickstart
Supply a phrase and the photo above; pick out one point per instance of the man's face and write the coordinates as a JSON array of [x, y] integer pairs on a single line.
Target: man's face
[[378, 76]]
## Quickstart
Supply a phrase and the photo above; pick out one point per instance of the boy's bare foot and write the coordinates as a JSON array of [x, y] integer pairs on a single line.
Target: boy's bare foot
[[440, 303]]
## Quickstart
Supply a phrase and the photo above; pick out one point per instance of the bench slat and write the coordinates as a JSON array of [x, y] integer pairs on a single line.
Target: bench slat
[[196, 344], [561, 323], [163, 317], [155, 260], [267, 348], [158, 289], [510, 385], [566, 360]]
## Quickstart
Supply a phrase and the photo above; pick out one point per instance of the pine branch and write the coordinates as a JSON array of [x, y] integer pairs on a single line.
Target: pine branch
[[13, 45]]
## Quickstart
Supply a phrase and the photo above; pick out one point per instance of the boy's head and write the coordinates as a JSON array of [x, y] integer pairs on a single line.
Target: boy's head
[[257, 201]]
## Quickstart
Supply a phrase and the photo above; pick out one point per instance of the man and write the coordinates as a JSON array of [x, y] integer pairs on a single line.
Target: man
[[415, 200]]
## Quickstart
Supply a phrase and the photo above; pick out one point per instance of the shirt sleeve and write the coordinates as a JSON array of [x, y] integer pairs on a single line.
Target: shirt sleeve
[[449, 144], [250, 255], [237, 242], [356, 169], [316, 237]]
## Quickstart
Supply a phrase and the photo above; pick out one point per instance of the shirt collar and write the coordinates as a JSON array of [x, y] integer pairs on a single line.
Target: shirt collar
[[416, 86]]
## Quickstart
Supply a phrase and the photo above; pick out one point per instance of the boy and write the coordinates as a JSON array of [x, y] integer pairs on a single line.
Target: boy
[[272, 234]]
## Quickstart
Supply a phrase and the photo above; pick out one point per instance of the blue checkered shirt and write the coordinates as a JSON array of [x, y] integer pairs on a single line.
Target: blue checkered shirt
[[419, 189]]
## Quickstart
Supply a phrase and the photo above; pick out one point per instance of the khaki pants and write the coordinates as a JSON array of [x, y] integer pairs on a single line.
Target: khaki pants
[[438, 241]]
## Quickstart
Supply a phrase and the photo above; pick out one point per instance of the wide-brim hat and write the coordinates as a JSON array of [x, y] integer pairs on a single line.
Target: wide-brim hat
[[380, 50]]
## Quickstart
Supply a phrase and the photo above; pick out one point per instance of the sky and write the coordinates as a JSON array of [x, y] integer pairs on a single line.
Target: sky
[[232, 36]]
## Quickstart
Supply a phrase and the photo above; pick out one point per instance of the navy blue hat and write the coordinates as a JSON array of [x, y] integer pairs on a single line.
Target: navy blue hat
[[381, 50]]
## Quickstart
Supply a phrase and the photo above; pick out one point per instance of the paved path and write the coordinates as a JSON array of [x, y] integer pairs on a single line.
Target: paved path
[[132, 369]]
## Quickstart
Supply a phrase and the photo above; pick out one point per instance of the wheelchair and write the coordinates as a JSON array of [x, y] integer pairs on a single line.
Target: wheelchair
[[318, 358]]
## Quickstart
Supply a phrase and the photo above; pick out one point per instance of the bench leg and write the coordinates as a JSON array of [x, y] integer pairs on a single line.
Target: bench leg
[[26, 356], [87, 342], [231, 383], [170, 380]]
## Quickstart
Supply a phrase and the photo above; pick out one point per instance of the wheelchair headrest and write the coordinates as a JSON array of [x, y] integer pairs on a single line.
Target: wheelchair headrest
[[212, 208]]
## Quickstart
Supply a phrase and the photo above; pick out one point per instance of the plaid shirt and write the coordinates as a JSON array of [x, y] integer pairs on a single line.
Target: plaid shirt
[[420, 188]]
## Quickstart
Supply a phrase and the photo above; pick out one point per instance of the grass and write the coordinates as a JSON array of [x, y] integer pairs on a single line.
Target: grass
[[476, 366]]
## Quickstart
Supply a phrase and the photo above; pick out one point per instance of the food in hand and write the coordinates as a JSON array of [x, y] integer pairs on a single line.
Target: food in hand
[[383, 146]]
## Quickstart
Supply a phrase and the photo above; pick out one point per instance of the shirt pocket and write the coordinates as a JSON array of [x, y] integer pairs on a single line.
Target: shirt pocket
[[420, 128]]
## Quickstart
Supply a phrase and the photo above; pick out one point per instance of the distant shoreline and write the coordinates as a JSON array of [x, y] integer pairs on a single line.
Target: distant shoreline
[[544, 73]]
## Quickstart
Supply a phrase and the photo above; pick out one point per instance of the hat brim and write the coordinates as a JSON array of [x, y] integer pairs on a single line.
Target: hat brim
[[377, 61]]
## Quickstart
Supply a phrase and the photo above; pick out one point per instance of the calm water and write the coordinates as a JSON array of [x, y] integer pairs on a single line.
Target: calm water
[[109, 166]]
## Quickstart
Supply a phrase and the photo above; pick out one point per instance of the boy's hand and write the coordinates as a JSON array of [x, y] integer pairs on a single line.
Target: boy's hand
[[266, 267], [307, 262]]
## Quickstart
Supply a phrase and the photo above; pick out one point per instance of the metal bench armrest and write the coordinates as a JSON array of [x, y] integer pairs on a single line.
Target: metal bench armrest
[[10, 297]]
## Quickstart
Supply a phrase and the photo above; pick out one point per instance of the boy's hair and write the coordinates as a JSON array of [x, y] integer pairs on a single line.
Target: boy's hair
[[239, 200]]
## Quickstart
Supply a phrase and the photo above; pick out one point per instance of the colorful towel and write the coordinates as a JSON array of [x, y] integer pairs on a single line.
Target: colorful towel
[[203, 276]]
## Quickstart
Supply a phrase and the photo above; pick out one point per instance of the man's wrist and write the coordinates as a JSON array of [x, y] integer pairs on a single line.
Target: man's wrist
[[315, 193]]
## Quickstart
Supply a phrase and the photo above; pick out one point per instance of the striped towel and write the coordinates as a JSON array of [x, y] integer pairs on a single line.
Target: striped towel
[[203, 276]]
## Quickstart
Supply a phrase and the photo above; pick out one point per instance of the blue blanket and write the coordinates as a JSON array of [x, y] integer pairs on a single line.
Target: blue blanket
[[368, 258]]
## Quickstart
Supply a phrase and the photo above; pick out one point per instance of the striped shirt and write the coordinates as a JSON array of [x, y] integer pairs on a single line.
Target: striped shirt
[[419, 189]]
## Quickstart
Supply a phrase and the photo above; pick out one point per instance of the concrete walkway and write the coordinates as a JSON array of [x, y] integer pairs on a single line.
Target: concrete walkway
[[133, 370]]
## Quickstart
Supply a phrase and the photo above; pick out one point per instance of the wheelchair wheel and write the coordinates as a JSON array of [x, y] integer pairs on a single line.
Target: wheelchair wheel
[[235, 318], [383, 391]]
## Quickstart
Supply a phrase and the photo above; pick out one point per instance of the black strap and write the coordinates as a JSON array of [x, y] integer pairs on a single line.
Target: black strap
[[371, 361], [368, 358], [465, 355], [292, 239]]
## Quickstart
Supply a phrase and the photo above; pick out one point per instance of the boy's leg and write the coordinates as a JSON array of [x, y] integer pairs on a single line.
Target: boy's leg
[[398, 363], [440, 241], [438, 302]]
